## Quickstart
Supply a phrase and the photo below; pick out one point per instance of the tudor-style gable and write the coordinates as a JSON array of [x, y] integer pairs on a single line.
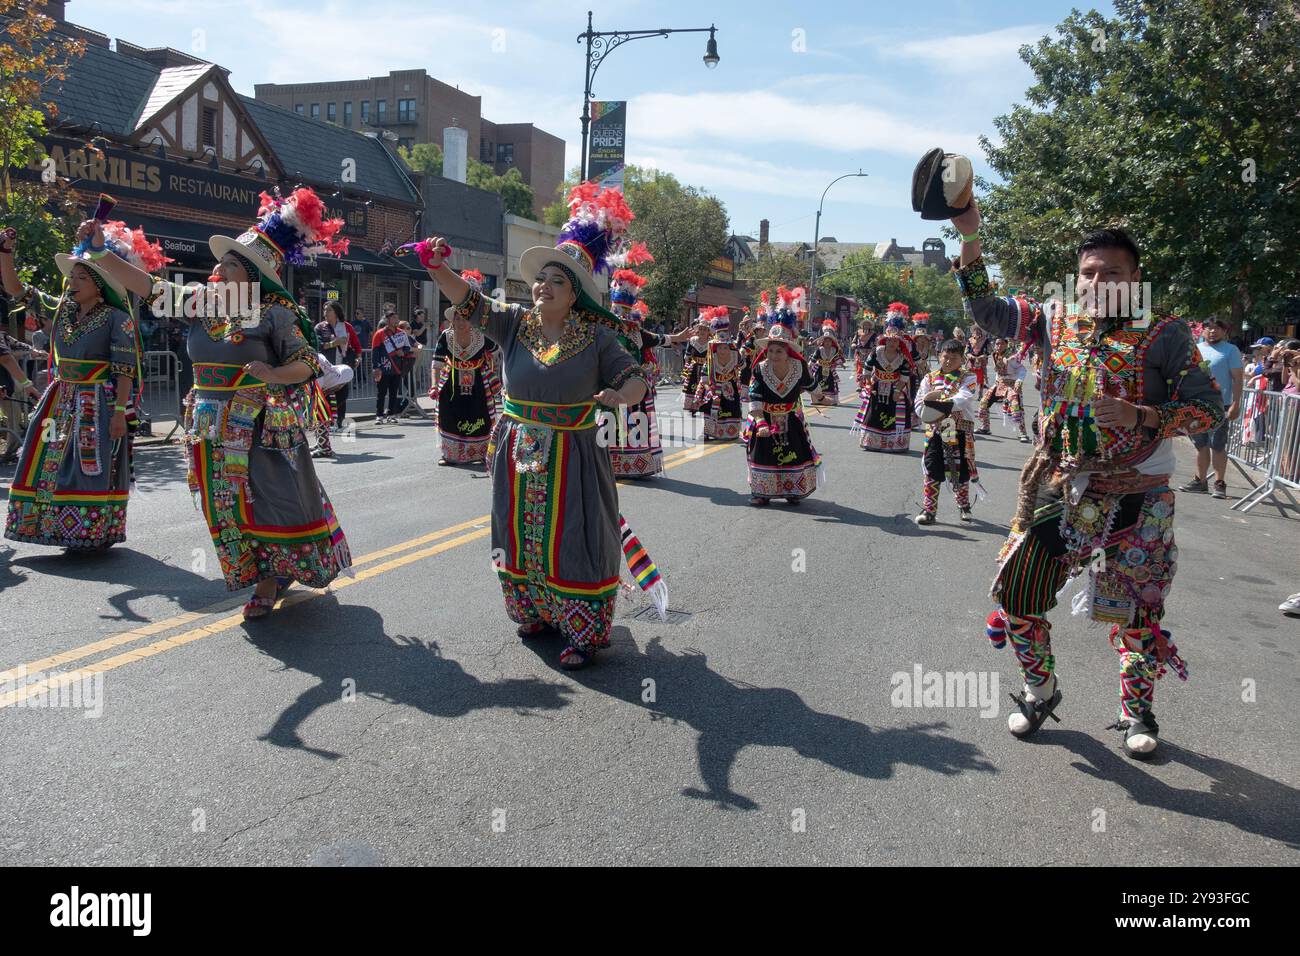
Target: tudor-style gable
[[192, 108]]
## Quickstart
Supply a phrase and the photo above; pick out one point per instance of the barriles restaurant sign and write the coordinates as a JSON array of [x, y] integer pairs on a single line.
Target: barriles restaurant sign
[[127, 174]]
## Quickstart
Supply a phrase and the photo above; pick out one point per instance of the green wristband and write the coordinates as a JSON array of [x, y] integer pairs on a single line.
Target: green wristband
[[119, 408], [971, 238]]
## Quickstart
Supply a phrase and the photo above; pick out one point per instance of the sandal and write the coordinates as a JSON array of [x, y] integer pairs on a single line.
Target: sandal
[[443, 463], [572, 659], [966, 515], [258, 607], [1146, 728], [759, 502], [792, 501], [1036, 712], [924, 518]]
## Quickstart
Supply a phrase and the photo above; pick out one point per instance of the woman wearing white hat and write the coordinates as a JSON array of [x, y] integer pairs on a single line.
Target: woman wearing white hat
[[555, 515], [73, 479], [779, 452], [254, 400]]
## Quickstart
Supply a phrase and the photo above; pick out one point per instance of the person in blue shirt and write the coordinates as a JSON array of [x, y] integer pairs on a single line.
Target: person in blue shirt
[[1224, 360]]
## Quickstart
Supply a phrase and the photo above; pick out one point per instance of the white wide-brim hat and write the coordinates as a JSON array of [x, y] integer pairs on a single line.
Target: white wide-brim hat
[[571, 256], [65, 263], [254, 247]]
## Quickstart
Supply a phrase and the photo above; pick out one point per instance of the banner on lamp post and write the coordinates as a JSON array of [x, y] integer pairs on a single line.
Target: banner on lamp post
[[608, 139]]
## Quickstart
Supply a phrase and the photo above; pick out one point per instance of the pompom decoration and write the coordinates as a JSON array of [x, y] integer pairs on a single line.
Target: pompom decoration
[[424, 251], [473, 277], [996, 629], [129, 244], [921, 318], [297, 226], [901, 308], [598, 221]]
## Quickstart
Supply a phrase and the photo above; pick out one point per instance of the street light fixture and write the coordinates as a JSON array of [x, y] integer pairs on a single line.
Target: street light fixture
[[601, 43], [812, 279]]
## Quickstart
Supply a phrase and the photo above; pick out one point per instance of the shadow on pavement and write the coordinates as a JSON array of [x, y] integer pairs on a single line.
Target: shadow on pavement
[[729, 716], [393, 668], [141, 574], [1239, 797]]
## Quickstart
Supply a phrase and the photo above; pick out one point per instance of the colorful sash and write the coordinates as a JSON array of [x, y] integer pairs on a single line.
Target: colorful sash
[[216, 377], [82, 371], [565, 418]]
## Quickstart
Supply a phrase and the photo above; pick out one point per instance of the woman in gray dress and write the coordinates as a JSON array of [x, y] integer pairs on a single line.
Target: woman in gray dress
[[74, 472], [254, 400], [555, 516]]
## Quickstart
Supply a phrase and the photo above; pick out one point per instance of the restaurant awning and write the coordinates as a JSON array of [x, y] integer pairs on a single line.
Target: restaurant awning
[[185, 242]]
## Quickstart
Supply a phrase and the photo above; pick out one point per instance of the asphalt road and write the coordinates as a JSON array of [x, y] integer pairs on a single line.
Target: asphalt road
[[399, 720]]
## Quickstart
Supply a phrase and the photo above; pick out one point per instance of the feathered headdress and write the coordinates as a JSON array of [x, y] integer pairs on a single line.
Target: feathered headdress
[[296, 226], [830, 327], [598, 221], [789, 306], [898, 308], [473, 278], [134, 247], [921, 318]]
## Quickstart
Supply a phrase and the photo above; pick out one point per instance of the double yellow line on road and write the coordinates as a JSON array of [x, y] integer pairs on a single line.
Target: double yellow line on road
[[373, 564]]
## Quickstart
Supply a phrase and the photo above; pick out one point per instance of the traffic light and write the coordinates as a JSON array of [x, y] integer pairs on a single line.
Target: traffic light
[[907, 275]]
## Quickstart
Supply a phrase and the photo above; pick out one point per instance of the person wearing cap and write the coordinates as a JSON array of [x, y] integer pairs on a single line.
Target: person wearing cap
[[466, 389], [1117, 385], [826, 361], [779, 454], [1008, 388], [557, 535], [254, 400], [72, 483], [694, 355], [1224, 362]]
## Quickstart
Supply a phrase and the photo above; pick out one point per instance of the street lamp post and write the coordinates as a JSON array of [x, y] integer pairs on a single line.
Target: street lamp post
[[601, 43], [817, 227]]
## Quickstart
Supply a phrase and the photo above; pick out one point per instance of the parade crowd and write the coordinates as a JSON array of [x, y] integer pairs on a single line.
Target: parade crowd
[[560, 401]]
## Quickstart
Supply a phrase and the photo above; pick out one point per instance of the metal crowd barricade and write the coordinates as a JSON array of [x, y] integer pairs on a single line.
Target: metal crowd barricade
[[365, 391], [670, 363], [160, 390], [1264, 444]]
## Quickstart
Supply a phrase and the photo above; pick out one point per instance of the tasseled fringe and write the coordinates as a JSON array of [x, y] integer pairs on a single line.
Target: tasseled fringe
[[980, 493]]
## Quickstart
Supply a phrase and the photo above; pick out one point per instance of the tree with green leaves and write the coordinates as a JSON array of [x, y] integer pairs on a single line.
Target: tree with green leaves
[[875, 284], [516, 195], [684, 229], [33, 58], [777, 267], [1177, 121]]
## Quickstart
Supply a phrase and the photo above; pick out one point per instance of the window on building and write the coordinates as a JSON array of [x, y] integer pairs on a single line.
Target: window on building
[[485, 151], [300, 109], [406, 111], [381, 110], [347, 112], [209, 127], [506, 153], [331, 112], [315, 111], [365, 112], [405, 142]]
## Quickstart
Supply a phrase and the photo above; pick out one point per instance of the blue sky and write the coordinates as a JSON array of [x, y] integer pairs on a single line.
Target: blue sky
[[804, 92]]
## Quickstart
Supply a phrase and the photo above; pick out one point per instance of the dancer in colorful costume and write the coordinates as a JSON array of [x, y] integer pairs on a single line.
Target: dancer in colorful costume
[[635, 449], [693, 359], [779, 452], [826, 361], [863, 347], [979, 348], [465, 387], [73, 478], [1116, 388], [945, 402], [557, 536], [255, 397], [885, 418], [720, 394], [1008, 388]]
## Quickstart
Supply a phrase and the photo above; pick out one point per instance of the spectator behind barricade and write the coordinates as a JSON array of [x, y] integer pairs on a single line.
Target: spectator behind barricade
[[365, 331], [392, 355], [1224, 360]]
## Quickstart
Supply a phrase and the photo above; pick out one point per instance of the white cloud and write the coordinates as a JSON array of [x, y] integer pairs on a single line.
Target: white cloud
[[786, 125], [964, 54]]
